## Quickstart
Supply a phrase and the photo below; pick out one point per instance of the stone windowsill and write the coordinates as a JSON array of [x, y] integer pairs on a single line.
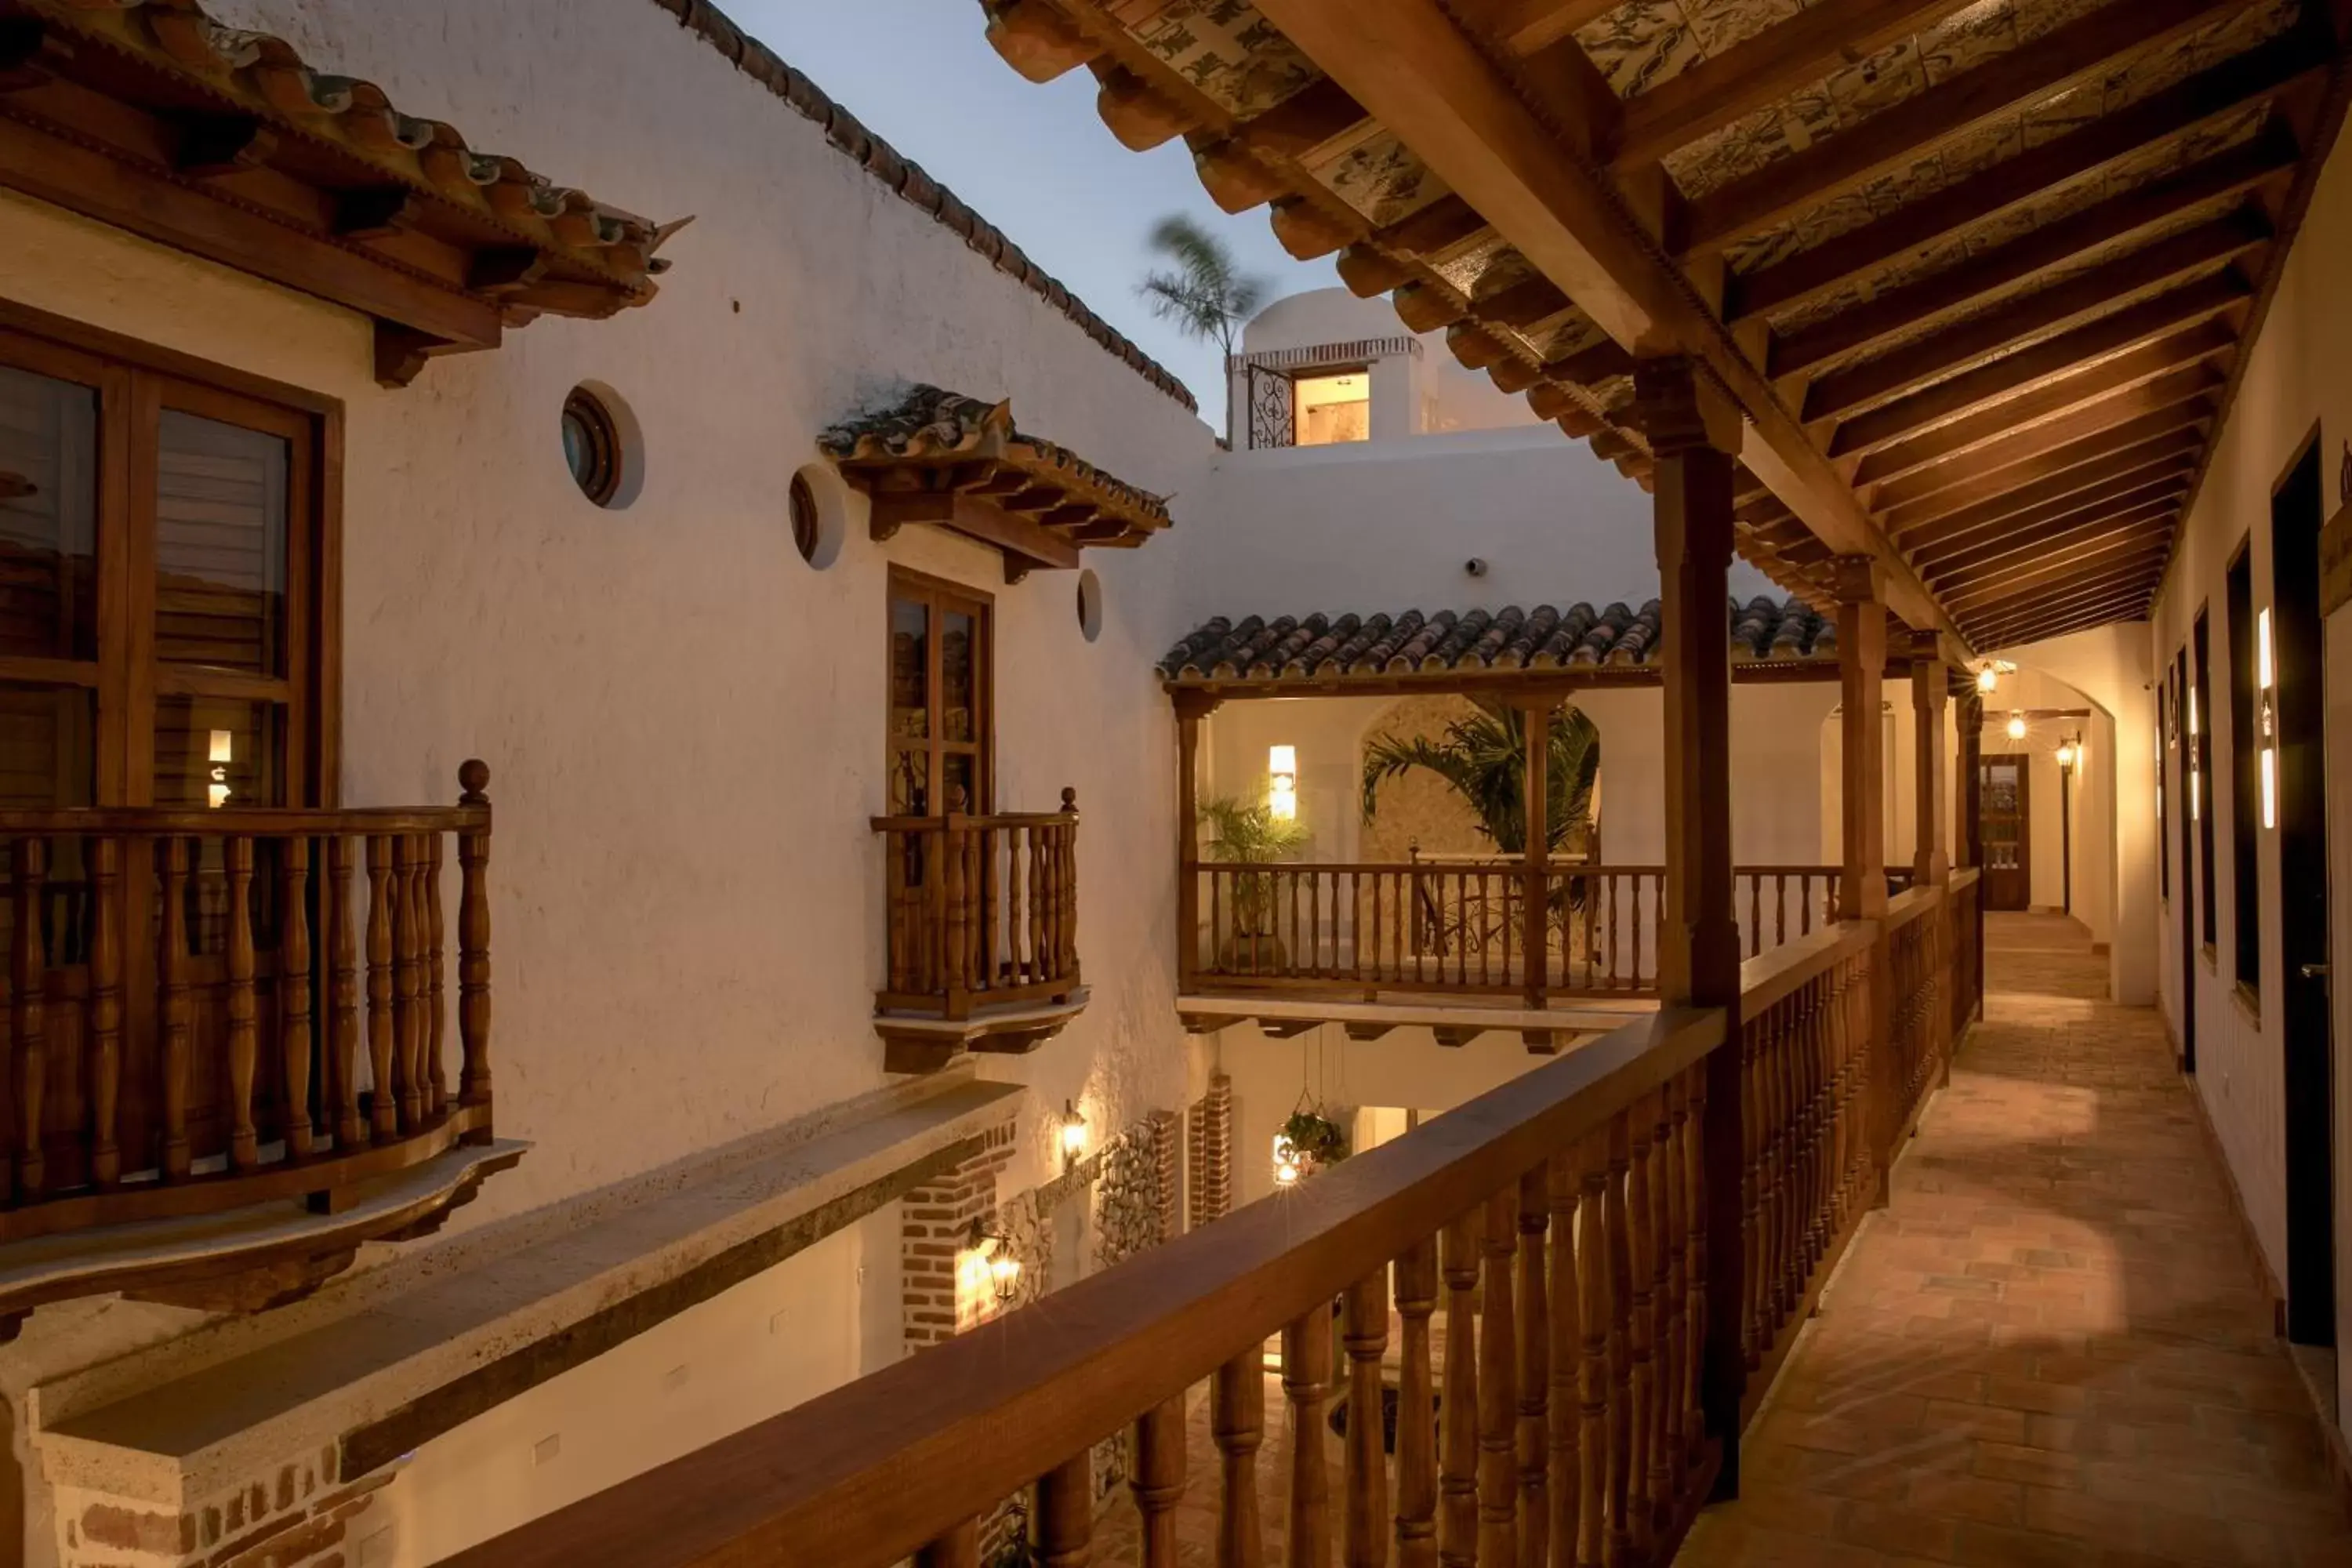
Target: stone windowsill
[[380, 1362]]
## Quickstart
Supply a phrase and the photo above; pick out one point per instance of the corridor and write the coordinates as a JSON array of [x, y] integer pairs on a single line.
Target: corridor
[[2053, 1348]]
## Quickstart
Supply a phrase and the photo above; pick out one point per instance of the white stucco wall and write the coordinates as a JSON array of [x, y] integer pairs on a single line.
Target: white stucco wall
[[685, 722], [2293, 379]]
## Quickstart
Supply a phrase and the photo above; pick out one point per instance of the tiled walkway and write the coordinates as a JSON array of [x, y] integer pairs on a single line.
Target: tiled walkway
[[2050, 1349]]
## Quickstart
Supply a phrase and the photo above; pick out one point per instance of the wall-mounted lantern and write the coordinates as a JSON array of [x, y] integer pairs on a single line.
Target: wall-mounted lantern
[[2266, 716], [1282, 783]]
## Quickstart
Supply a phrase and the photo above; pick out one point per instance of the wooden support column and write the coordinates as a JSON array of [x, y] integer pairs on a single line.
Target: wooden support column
[[1192, 707], [1931, 863], [1862, 665], [1695, 433], [1535, 734], [1968, 722]]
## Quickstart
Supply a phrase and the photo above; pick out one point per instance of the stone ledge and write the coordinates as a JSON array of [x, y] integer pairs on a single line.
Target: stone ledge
[[380, 1362]]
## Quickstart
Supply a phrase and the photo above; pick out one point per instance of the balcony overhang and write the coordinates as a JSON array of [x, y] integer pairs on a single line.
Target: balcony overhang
[[155, 118], [941, 458]]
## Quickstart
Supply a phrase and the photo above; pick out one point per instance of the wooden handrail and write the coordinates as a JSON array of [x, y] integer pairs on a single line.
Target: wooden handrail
[[872, 1471], [959, 819], [240, 822], [1766, 978], [1909, 905]]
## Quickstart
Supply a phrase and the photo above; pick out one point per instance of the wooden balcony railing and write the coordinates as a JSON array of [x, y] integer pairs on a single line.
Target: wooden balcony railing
[[210, 1009], [984, 910], [1622, 1244], [1457, 925]]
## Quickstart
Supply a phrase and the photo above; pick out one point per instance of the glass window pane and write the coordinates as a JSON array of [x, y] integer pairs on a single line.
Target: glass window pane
[[48, 752], [910, 670], [959, 776], [48, 516], [959, 719], [220, 546], [218, 751], [911, 784]]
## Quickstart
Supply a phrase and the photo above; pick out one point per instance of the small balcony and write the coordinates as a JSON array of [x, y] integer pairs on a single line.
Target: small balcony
[[983, 947], [231, 1035]]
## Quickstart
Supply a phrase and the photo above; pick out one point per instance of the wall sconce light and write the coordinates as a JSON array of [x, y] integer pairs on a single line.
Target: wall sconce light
[[1987, 679], [2191, 762], [1282, 787], [993, 1251], [1286, 1170], [218, 753], [2066, 754], [2016, 725], [2266, 716], [1073, 1131]]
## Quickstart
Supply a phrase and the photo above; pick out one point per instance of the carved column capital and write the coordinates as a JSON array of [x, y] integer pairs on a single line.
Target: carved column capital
[[1859, 579], [1678, 406]]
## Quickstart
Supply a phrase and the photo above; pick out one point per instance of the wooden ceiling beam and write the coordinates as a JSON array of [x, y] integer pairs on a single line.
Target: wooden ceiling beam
[[2029, 367], [2105, 525], [2196, 251], [2067, 465], [2068, 489], [2117, 218], [1765, 68], [2125, 597], [2181, 353], [1421, 76], [2122, 559], [2210, 94], [2129, 603], [1895, 136], [2179, 397], [2166, 480], [1524, 27]]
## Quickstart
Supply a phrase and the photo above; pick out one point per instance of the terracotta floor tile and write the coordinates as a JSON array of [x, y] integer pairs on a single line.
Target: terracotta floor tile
[[2058, 1283]]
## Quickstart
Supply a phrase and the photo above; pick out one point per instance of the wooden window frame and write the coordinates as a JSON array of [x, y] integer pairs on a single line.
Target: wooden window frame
[[2245, 782], [136, 382], [937, 593]]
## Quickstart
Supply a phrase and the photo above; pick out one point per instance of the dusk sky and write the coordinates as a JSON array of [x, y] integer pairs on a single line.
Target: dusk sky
[[1036, 161]]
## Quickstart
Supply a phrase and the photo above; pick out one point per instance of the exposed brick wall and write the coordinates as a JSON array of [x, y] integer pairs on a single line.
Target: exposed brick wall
[[1166, 1161], [935, 1223], [293, 1516], [1210, 1157]]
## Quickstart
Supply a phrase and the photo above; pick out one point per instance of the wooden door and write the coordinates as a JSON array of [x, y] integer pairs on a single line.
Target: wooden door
[[2007, 832], [943, 698]]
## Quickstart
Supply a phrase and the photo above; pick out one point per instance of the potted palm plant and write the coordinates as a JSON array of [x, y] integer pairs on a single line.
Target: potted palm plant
[[1245, 834]]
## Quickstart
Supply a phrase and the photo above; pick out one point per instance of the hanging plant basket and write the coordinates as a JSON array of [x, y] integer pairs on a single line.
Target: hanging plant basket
[[1315, 1139]]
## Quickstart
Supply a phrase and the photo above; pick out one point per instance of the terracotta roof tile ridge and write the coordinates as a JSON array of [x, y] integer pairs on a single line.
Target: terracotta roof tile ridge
[[906, 178]]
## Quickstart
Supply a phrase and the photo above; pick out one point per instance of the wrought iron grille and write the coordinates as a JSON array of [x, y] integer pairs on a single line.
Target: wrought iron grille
[[1273, 409]]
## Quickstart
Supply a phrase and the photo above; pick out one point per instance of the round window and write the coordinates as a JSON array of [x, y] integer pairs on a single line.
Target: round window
[[1090, 605], [808, 529], [592, 445]]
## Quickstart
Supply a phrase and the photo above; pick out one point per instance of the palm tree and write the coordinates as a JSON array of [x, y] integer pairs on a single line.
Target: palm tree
[[1482, 758], [1205, 294]]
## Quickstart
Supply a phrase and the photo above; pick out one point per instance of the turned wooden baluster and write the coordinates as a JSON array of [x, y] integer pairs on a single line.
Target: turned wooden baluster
[[1773, 1177], [1567, 1336], [1673, 1232], [1641, 1343], [244, 1036], [1237, 1425], [1695, 1265], [294, 989], [959, 1547], [1159, 1480], [1595, 1256], [105, 1053], [1787, 1050], [1366, 1333], [1623, 1483], [1752, 1138], [474, 949], [1067, 887], [383, 1105], [1498, 1477], [408, 978], [342, 998], [436, 1023], [28, 979], [1305, 1386], [1535, 1368], [172, 1006], [1457, 1475], [1065, 1512], [1416, 1444]]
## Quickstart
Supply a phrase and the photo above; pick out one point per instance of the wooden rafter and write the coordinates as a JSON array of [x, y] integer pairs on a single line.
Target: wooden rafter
[[2040, 350]]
